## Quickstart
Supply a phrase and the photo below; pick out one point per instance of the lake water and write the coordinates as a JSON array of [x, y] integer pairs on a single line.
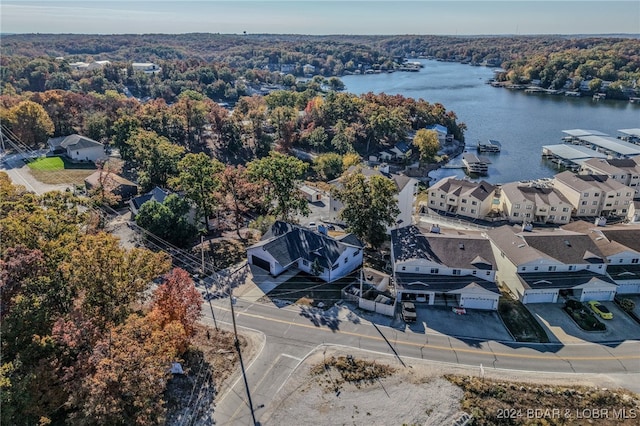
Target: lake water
[[523, 123]]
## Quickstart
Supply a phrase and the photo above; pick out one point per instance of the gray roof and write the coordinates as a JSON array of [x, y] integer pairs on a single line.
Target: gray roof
[[540, 195], [156, 194], [582, 132], [627, 236], [440, 283], [400, 180], [624, 272], [287, 243], [588, 182], [459, 251], [563, 246], [73, 142], [631, 132], [612, 144], [562, 280], [573, 152], [479, 190]]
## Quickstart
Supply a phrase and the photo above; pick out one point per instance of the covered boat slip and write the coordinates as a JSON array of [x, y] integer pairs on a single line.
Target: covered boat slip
[[570, 155], [598, 141]]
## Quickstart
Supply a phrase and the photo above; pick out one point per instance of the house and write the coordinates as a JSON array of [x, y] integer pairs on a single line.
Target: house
[[88, 66], [401, 150], [146, 67], [433, 267], [113, 183], [77, 148], [594, 195], [287, 246], [634, 212], [407, 189], [312, 195], [463, 197], [156, 194], [441, 130], [534, 202], [540, 266], [621, 246], [623, 170], [308, 69]]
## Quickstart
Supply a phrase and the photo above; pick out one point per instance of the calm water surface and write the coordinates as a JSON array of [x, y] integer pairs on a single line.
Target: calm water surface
[[522, 123]]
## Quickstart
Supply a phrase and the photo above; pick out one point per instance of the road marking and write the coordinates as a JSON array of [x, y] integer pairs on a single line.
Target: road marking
[[447, 348], [292, 357]]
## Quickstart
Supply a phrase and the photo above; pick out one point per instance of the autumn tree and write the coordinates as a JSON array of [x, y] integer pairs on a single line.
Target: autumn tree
[[197, 178], [29, 122], [157, 158], [369, 204], [328, 166], [168, 220], [427, 143], [177, 299], [238, 193], [281, 175]]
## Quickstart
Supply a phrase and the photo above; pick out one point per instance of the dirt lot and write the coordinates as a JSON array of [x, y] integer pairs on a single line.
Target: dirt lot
[[432, 394]]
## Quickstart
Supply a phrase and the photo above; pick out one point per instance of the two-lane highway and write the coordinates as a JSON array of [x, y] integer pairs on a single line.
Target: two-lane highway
[[291, 336]]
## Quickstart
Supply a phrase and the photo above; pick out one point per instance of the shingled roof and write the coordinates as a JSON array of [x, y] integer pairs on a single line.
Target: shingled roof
[[479, 190], [288, 242], [73, 142]]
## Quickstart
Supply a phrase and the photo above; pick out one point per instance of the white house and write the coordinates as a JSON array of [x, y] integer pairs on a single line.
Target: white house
[[534, 202], [624, 170], [287, 246], [539, 266], [463, 197], [311, 194], [146, 67], [621, 246], [78, 148], [441, 130], [594, 195], [407, 189], [433, 267]]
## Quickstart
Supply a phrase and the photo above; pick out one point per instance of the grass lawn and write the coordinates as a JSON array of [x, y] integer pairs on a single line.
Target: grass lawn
[[58, 170], [522, 325], [303, 289]]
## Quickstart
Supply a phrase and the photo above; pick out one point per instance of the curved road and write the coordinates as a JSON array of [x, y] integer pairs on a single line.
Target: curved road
[[290, 337]]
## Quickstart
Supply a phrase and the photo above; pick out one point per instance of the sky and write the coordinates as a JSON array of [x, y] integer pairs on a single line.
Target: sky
[[453, 17]]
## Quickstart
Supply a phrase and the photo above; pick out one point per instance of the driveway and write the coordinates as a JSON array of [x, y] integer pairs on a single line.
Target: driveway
[[475, 324], [19, 174], [561, 328]]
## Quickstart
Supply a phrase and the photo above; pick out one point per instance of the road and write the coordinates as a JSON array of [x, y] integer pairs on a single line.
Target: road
[[290, 337]]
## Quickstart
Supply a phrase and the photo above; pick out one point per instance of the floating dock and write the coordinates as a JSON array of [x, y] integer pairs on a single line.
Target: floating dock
[[492, 146], [474, 164]]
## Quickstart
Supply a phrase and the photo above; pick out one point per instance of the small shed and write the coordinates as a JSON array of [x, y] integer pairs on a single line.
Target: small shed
[[312, 195]]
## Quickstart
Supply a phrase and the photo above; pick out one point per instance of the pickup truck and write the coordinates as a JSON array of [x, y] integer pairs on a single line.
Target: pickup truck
[[409, 312]]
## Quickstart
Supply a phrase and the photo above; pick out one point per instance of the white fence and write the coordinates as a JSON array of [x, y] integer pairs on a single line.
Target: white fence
[[374, 306]]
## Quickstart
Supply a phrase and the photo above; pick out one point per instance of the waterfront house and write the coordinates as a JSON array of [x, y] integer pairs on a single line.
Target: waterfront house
[[441, 268], [540, 266], [624, 170], [536, 202], [463, 197], [77, 148], [401, 150], [288, 246], [594, 195], [441, 130], [407, 188]]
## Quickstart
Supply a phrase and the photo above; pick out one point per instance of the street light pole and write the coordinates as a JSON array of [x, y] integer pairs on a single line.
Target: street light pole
[[205, 283], [237, 344]]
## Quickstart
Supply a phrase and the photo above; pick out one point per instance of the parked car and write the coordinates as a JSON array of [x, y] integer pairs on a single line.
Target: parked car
[[601, 310], [409, 312]]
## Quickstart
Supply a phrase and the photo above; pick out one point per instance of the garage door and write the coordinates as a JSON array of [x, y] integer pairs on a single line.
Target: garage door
[[255, 260], [548, 297], [478, 303], [628, 288], [597, 295]]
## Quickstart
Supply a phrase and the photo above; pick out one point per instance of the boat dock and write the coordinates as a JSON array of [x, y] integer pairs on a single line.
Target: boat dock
[[474, 164], [492, 146], [601, 142], [569, 156]]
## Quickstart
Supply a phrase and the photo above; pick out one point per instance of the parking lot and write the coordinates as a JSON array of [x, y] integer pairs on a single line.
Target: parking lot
[[561, 328], [475, 324]]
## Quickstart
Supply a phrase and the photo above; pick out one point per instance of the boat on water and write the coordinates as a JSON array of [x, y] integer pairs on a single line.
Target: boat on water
[[475, 165], [490, 146]]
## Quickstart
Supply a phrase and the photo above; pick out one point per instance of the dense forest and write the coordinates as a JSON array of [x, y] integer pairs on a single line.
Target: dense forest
[[225, 67]]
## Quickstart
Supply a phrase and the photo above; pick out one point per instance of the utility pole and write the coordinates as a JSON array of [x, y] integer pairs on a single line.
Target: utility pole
[[205, 283], [237, 344]]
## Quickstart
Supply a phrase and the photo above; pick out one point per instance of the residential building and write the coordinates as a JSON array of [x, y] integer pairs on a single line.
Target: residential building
[[156, 194], [539, 266], [475, 200], [77, 148], [441, 130], [594, 195], [88, 66], [407, 189], [401, 150], [146, 67], [624, 170], [311, 194], [621, 246], [536, 202], [286, 246], [123, 188], [431, 268]]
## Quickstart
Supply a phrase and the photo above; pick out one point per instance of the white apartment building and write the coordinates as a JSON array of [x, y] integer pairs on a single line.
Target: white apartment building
[[534, 202], [594, 195], [462, 197], [626, 171]]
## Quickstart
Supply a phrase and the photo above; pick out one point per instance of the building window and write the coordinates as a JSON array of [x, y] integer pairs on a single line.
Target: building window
[[572, 267], [356, 253], [456, 272], [535, 268], [529, 207], [595, 203], [634, 260], [553, 209], [552, 268], [346, 260], [404, 268], [441, 204], [516, 206], [621, 260], [474, 272], [552, 217], [305, 262], [586, 194], [615, 203], [417, 269], [584, 203], [463, 201], [524, 268], [334, 267], [488, 273], [528, 215], [434, 270], [473, 210], [433, 194], [516, 214], [593, 211], [628, 194], [563, 218], [565, 209], [441, 195], [474, 203], [582, 211], [463, 209]]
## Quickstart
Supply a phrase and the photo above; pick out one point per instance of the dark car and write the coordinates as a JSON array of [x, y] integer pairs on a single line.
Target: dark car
[[409, 312]]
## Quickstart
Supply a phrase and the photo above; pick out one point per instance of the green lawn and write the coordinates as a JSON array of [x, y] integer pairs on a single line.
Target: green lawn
[[47, 163]]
